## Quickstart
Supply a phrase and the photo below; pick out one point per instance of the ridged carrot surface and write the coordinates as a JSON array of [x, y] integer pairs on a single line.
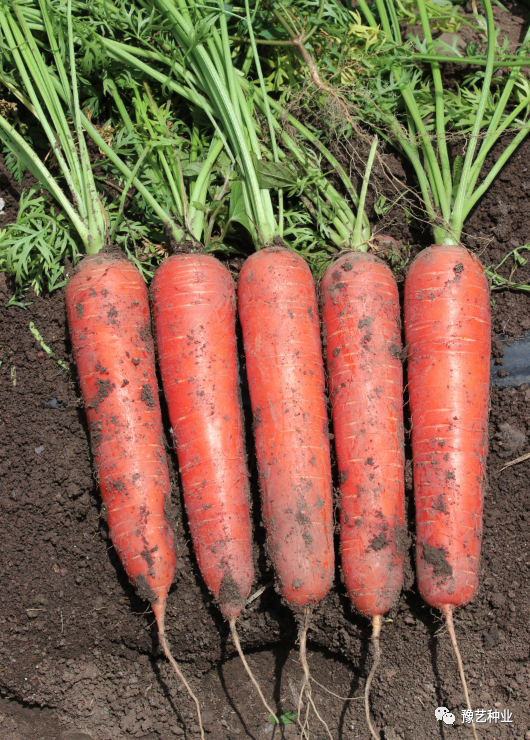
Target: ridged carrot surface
[[279, 316], [194, 314], [448, 330], [365, 376], [110, 327]]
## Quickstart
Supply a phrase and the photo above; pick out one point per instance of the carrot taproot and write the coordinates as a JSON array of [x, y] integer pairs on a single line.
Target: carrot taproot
[[110, 327], [194, 301], [281, 336], [194, 311], [362, 338], [448, 330]]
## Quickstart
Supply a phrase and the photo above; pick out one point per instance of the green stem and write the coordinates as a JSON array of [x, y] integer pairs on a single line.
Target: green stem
[[313, 28], [383, 17], [227, 104], [395, 21], [432, 186], [439, 103], [129, 57], [199, 192], [267, 110], [368, 14], [195, 140], [489, 142], [309, 136], [27, 156], [169, 175], [359, 240], [436, 179], [249, 56], [265, 42], [29, 67], [126, 187], [494, 130], [124, 113], [411, 153], [329, 193], [497, 167], [176, 232], [474, 61], [286, 26], [457, 220], [96, 217]]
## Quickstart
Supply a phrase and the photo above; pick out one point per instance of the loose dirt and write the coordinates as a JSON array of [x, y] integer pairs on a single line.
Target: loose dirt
[[78, 647]]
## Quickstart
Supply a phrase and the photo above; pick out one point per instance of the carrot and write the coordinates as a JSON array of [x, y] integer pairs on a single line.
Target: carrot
[[109, 321], [448, 329], [281, 336], [194, 316], [363, 342], [194, 307]]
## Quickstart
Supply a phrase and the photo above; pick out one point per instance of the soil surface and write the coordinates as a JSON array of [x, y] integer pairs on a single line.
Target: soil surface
[[79, 656]]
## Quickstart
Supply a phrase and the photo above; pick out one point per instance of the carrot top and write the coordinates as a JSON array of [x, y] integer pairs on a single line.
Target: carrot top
[[54, 101], [448, 194]]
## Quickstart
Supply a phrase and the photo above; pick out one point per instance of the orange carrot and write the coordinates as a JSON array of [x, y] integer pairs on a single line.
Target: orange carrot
[[194, 315], [109, 321], [363, 344], [281, 335], [194, 306], [448, 329]]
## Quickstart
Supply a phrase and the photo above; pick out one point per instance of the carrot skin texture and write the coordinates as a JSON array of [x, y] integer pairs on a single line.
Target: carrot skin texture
[[194, 307], [448, 330], [363, 343], [110, 326], [279, 317]]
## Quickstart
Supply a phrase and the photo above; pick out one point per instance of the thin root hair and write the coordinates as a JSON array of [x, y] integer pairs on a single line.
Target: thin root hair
[[448, 613], [167, 652], [306, 682], [235, 638], [377, 621]]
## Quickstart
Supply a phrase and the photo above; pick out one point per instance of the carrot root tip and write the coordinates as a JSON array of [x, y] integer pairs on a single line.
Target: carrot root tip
[[235, 638], [167, 652], [448, 614], [377, 621], [306, 682]]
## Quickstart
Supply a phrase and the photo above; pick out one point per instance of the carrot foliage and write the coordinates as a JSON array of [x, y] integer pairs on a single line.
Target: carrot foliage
[[231, 126], [415, 112]]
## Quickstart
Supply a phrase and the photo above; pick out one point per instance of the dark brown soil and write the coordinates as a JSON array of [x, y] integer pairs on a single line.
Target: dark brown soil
[[78, 648]]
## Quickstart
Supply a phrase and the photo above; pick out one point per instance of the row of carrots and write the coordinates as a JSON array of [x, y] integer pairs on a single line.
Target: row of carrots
[[193, 302]]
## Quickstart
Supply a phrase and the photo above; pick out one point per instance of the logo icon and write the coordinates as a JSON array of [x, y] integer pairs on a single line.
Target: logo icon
[[442, 713]]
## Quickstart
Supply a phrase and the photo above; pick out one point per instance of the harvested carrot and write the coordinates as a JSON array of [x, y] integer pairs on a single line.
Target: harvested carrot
[[448, 330], [194, 315], [194, 306], [281, 335], [110, 327], [362, 337]]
